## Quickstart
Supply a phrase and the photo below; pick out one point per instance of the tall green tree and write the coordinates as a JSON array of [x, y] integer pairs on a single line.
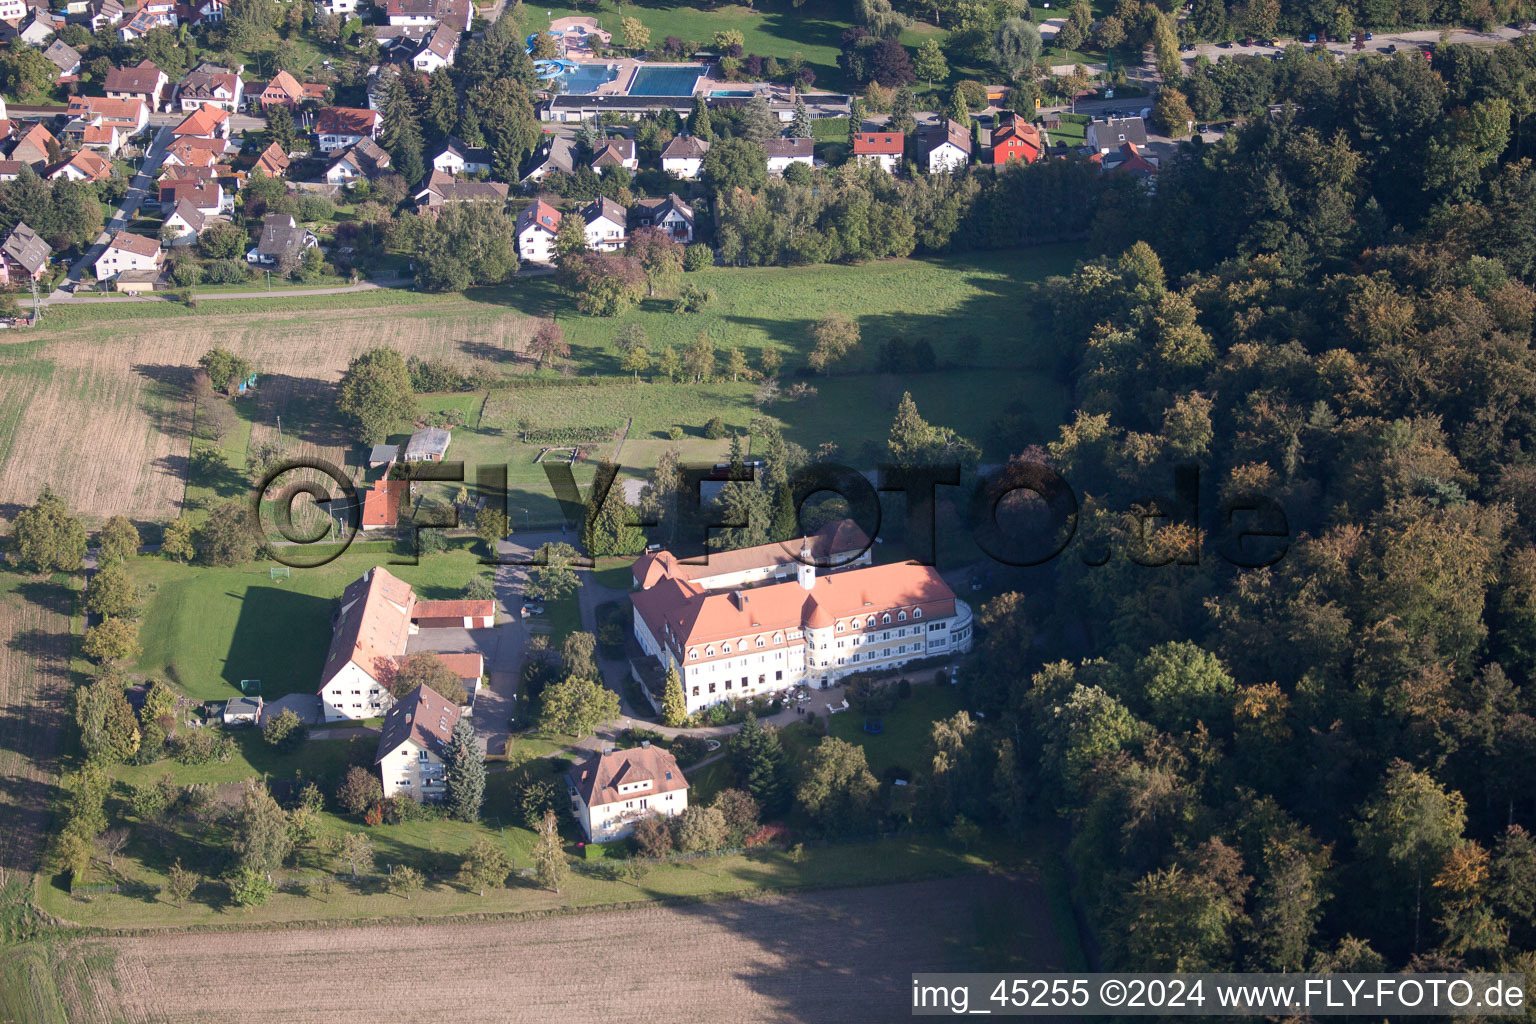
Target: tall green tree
[[47, 537], [549, 864], [762, 769], [464, 772], [375, 394]]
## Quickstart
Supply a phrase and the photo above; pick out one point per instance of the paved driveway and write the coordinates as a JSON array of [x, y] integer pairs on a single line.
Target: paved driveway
[[502, 648]]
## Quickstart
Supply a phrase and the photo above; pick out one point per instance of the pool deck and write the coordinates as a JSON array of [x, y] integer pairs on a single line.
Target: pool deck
[[629, 67]]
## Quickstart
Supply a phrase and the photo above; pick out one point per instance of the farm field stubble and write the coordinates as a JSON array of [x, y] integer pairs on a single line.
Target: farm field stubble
[[832, 956]]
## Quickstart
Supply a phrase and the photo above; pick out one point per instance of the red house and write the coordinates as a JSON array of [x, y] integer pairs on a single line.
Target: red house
[[1016, 142]]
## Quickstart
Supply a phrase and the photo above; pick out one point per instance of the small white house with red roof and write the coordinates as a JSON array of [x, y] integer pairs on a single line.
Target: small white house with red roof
[[883, 149], [536, 228]]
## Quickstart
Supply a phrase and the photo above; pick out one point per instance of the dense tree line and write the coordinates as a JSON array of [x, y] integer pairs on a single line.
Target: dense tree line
[[1316, 762]]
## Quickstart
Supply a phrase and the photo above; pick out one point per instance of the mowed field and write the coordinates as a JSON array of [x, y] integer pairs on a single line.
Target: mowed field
[[832, 956], [95, 403]]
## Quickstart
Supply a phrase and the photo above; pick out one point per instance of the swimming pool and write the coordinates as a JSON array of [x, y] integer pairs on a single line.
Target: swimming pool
[[731, 92], [585, 78], [665, 79]]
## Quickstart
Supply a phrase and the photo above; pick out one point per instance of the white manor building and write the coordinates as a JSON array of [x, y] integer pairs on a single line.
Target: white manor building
[[812, 630], [613, 789]]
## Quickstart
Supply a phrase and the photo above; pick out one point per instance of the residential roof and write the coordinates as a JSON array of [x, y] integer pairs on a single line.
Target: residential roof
[[677, 613], [685, 147], [89, 163], [383, 453], [469, 154], [423, 717], [558, 155], [98, 135], [366, 155], [204, 122], [128, 111], [428, 441], [453, 609], [137, 244], [381, 502], [443, 10], [657, 209], [451, 191], [62, 56], [878, 144], [206, 195], [143, 78], [26, 248], [443, 41], [36, 136], [598, 778], [345, 121], [372, 626], [794, 148], [206, 81], [932, 136], [286, 84], [539, 213], [614, 152], [280, 234], [1109, 134], [187, 210], [273, 161], [467, 665], [601, 207], [1010, 138], [836, 542]]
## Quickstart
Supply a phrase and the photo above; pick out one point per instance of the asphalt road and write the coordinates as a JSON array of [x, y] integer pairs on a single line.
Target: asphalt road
[[137, 189]]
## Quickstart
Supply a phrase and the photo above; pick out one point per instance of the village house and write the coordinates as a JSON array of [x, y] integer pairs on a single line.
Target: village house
[[144, 81], [457, 158], [607, 224], [286, 91], [615, 153], [207, 122], [944, 146], [1018, 140], [190, 152], [1104, 136], [442, 189], [557, 155], [128, 252], [211, 84], [366, 159], [438, 51], [536, 227], [613, 789], [64, 57], [13, 10], [783, 152], [684, 156], [272, 162], [429, 444], [102, 14], [457, 14], [415, 733], [34, 147], [129, 116], [812, 631], [1127, 158], [24, 255], [282, 238], [884, 149], [377, 616], [187, 221], [670, 214], [340, 127], [39, 28], [104, 138], [85, 165], [206, 196]]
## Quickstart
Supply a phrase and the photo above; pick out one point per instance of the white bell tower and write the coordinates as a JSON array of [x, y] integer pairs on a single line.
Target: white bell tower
[[807, 569]]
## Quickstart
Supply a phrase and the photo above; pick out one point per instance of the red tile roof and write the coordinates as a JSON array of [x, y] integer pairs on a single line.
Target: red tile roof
[[374, 624], [137, 244], [203, 123], [453, 609], [878, 143], [345, 121], [381, 502], [836, 542]]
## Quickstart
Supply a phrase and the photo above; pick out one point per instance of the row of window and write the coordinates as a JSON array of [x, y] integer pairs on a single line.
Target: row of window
[[885, 620], [762, 680]]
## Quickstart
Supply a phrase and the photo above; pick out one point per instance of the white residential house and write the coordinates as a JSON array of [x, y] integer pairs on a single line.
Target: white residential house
[[883, 149], [187, 221], [607, 224], [341, 7], [557, 155], [14, 10], [415, 733], [684, 156], [783, 152], [438, 50], [944, 146], [457, 158], [536, 228], [614, 789], [670, 214], [615, 153], [212, 85], [340, 127], [128, 252], [367, 160], [1106, 136]]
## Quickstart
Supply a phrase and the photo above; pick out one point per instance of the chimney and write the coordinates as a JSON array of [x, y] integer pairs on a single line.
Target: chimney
[[645, 744]]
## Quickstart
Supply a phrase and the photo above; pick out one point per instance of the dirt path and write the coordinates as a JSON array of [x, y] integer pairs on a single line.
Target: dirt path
[[834, 956]]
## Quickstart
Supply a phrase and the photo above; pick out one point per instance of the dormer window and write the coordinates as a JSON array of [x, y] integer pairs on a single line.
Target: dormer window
[[725, 648], [869, 623], [885, 619], [901, 616], [693, 654], [761, 642], [778, 638], [917, 613], [840, 627], [709, 652]]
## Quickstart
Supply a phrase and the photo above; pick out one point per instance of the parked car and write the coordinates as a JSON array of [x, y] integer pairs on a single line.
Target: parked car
[[1311, 37], [1225, 44], [1389, 48], [1202, 128]]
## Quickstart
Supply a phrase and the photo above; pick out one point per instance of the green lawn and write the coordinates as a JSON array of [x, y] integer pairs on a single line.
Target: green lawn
[[205, 629], [904, 733]]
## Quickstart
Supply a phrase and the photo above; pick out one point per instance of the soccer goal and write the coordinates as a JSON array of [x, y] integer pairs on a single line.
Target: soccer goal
[[279, 572]]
